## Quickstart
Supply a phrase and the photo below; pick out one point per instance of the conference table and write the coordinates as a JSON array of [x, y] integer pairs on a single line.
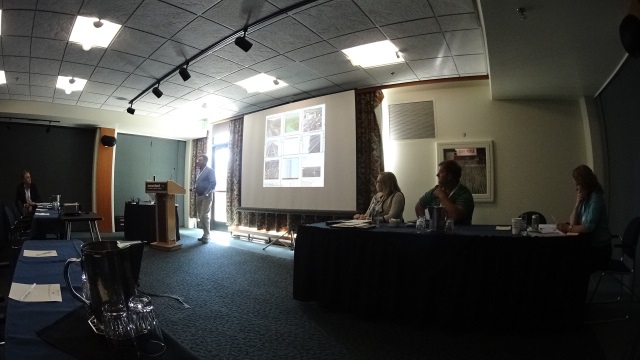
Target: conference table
[[475, 277], [47, 220], [61, 323]]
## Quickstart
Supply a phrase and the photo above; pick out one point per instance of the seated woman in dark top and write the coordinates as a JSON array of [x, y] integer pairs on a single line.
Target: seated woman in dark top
[[388, 203]]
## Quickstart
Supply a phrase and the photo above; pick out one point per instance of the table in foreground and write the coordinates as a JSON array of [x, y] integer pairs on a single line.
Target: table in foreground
[[474, 278], [25, 319]]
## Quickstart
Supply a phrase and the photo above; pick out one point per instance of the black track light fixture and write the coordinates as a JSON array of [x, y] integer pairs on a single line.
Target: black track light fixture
[[242, 42], [184, 73], [130, 109], [157, 92]]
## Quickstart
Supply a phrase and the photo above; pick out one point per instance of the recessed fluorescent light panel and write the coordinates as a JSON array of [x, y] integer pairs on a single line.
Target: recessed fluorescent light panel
[[3, 79], [0, 21], [375, 54], [261, 83], [90, 32], [70, 84]]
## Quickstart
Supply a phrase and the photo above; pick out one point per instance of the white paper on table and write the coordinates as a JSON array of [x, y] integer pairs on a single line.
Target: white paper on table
[[505, 227], [39, 293], [40, 253], [42, 214]]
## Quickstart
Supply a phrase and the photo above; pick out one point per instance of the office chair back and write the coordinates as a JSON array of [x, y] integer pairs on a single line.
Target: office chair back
[[629, 240], [528, 214]]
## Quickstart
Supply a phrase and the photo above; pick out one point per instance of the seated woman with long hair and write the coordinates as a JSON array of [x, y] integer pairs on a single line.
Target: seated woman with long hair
[[589, 215], [388, 203]]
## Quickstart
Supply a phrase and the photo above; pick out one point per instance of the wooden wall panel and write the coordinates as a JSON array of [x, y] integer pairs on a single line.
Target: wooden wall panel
[[104, 181]]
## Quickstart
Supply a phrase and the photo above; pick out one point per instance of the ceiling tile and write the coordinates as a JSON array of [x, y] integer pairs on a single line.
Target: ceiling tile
[[257, 98], [448, 7], [43, 80], [195, 95], [15, 45], [329, 64], [20, 97], [163, 100], [174, 53], [117, 11], [89, 104], [4, 89], [257, 54], [74, 53], [422, 46], [202, 33], [100, 88], [109, 76], [272, 64], [179, 103], [215, 66], [16, 63], [235, 92], [142, 105], [432, 68], [45, 66], [18, 89], [68, 6], [411, 28], [471, 64], [76, 70], [19, 4], [459, 22], [60, 94], [335, 18], [159, 18], [117, 60], [231, 13], [127, 93], [283, 92], [195, 6], [17, 78], [93, 98], [117, 101], [356, 39], [311, 51], [215, 86], [138, 82], [285, 35], [384, 12], [294, 74], [47, 49], [325, 91], [174, 90], [465, 42], [353, 79], [17, 22], [153, 69], [314, 84], [240, 75], [42, 99], [136, 42], [65, 101], [50, 25], [392, 73]]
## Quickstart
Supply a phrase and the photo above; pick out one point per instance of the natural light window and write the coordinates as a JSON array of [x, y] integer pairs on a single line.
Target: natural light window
[[375, 54], [3, 79], [261, 83], [70, 84], [90, 32]]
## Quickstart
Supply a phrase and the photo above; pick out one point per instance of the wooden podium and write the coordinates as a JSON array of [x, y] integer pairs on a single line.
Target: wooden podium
[[166, 192]]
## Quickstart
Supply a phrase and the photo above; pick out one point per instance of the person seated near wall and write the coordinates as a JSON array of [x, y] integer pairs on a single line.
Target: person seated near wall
[[450, 193], [589, 216], [388, 203], [27, 194]]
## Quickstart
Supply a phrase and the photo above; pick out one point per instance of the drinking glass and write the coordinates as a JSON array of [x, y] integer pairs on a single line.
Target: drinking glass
[[421, 225], [119, 330], [145, 326]]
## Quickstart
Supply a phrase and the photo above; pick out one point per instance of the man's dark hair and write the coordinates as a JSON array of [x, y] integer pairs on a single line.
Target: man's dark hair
[[453, 168], [205, 157]]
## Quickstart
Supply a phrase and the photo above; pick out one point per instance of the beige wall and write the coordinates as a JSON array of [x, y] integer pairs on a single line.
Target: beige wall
[[536, 144]]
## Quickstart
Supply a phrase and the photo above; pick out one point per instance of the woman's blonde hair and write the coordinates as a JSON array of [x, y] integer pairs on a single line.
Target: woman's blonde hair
[[389, 182]]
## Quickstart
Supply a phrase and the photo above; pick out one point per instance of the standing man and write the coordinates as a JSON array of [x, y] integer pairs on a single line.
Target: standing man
[[450, 193], [27, 194], [204, 186]]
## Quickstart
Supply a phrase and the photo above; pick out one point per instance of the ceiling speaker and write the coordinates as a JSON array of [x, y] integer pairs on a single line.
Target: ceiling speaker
[[108, 141]]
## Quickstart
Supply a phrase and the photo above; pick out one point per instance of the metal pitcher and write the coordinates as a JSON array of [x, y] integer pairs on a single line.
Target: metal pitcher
[[55, 201], [109, 277], [437, 218]]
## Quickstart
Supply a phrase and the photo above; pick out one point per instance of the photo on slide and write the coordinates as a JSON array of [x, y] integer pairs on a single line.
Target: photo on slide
[[291, 145], [312, 143], [291, 168], [313, 119], [292, 122], [274, 126], [272, 170], [272, 149]]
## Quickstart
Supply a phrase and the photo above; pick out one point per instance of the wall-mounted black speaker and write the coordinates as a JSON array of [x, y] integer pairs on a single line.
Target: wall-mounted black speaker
[[108, 141]]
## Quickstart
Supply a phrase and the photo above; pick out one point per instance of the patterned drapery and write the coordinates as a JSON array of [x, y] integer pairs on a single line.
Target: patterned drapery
[[234, 170], [199, 147], [369, 156]]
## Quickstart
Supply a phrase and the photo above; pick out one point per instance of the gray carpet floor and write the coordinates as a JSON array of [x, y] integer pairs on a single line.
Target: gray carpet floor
[[241, 307]]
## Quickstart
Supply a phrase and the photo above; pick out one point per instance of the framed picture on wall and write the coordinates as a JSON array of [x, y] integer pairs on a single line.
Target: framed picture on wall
[[476, 160]]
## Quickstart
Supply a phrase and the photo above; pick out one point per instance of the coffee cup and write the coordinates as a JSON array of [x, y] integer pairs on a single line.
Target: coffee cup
[[394, 222], [516, 224]]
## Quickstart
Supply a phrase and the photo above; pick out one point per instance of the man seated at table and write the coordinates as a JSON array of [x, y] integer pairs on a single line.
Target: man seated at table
[[450, 193], [27, 194]]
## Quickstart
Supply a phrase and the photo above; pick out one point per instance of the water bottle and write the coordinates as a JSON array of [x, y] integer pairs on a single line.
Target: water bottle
[[374, 216], [535, 221], [448, 226], [421, 225]]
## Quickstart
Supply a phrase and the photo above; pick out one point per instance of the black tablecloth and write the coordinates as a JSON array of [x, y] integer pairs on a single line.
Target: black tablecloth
[[476, 277], [140, 222]]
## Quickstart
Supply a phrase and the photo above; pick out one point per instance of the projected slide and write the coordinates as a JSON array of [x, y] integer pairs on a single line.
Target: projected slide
[[294, 148]]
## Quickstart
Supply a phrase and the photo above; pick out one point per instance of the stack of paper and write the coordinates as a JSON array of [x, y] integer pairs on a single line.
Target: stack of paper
[[361, 224]]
